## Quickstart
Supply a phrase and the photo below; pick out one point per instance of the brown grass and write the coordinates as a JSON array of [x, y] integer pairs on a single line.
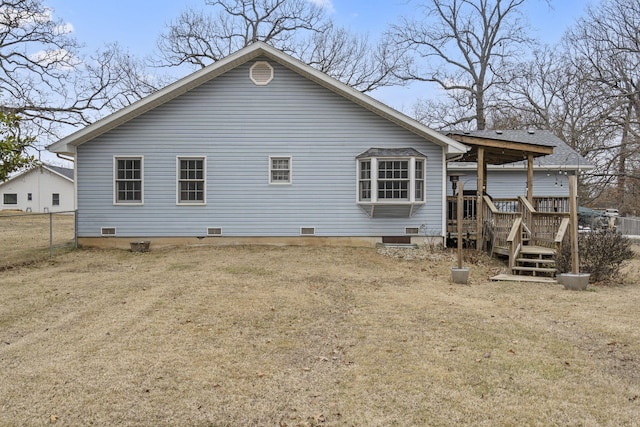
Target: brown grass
[[25, 238], [309, 336]]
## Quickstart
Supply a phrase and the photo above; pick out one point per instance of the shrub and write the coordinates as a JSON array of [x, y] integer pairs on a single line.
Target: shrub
[[601, 254]]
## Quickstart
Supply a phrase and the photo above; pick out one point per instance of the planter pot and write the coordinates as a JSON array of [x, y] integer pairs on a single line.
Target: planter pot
[[460, 275], [142, 246], [574, 282]]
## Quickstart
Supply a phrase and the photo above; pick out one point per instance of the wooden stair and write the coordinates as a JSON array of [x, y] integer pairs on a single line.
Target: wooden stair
[[535, 261]]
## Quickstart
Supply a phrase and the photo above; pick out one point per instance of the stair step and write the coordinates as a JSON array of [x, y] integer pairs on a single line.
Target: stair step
[[536, 260], [535, 269]]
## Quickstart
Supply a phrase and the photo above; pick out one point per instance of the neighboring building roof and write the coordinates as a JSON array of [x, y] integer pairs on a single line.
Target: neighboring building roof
[[253, 51], [563, 157], [65, 173]]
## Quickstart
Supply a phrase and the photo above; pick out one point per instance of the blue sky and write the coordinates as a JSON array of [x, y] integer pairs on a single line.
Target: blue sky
[[136, 24]]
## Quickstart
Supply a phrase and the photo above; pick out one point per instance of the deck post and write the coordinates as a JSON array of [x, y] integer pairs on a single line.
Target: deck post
[[530, 178], [479, 193], [459, 215], [573, 218]]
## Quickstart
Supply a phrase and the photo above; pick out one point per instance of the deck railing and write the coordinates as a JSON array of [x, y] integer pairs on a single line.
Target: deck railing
[[541, 222]]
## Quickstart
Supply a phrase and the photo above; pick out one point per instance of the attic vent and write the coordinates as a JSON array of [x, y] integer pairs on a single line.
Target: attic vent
[[108, 231], [261, 73], [307, 231], [214, 231]]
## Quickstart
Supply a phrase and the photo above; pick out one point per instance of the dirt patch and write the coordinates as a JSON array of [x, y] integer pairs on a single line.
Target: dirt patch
[[309, 336]]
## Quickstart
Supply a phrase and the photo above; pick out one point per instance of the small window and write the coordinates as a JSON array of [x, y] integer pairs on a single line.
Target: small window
[[55, 199], [191, 180], [10, 198], [365, 180], [280, 170], [419, 181], [128, 180], [29, 197]]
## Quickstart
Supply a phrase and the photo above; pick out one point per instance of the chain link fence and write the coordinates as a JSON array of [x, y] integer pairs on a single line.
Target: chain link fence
[[29, 237], [629, 226]]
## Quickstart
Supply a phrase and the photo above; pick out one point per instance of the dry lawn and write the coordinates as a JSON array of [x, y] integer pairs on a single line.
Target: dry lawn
[[25, 238], [288, 336]]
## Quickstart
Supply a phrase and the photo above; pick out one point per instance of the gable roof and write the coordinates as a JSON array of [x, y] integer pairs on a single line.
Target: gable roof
[[258, 49], [65, 173], [563, 156]]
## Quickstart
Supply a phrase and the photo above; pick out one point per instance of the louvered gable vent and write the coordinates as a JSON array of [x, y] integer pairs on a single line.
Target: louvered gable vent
[[261, 73]]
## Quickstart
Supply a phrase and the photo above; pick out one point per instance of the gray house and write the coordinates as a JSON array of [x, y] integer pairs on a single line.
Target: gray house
[[259, 147]]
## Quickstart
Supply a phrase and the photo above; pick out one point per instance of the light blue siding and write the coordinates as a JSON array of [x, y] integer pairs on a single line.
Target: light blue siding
[[237, 125], [513, 183]]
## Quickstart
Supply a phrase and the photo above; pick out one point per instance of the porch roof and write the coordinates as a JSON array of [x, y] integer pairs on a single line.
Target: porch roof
[[502, 147]]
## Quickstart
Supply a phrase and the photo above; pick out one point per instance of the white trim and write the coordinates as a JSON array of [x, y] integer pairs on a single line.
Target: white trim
[[204, 181], [374, 181], [290, 169], [261, 82], [115, 174]]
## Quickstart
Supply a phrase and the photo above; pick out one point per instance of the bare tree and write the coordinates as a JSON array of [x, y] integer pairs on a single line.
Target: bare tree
[[606, 45], [198, 38], [43, 78], [297, 27], [463, 46]]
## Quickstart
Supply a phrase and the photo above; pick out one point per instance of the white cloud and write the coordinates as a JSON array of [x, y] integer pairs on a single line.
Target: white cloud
[[326, 4], [59, 58]]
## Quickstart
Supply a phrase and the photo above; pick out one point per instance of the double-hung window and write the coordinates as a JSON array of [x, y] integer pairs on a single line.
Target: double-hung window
[[391, 177], [191, 180], [279, 170], [55, 199], [128, 180]]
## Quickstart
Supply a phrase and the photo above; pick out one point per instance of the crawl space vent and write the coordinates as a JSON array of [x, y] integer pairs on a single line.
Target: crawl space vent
[[214, 231], [108, 231], [261, 73], [307, 231]]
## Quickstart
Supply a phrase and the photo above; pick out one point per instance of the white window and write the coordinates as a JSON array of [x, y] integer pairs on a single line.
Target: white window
[[279, 170], [391, 180], [10, 198], [128, 180], [191, 180]]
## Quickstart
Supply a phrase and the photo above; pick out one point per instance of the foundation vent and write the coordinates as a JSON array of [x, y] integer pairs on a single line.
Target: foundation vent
[[307, 231], [261, 73], [214, 231], [108, 231]]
